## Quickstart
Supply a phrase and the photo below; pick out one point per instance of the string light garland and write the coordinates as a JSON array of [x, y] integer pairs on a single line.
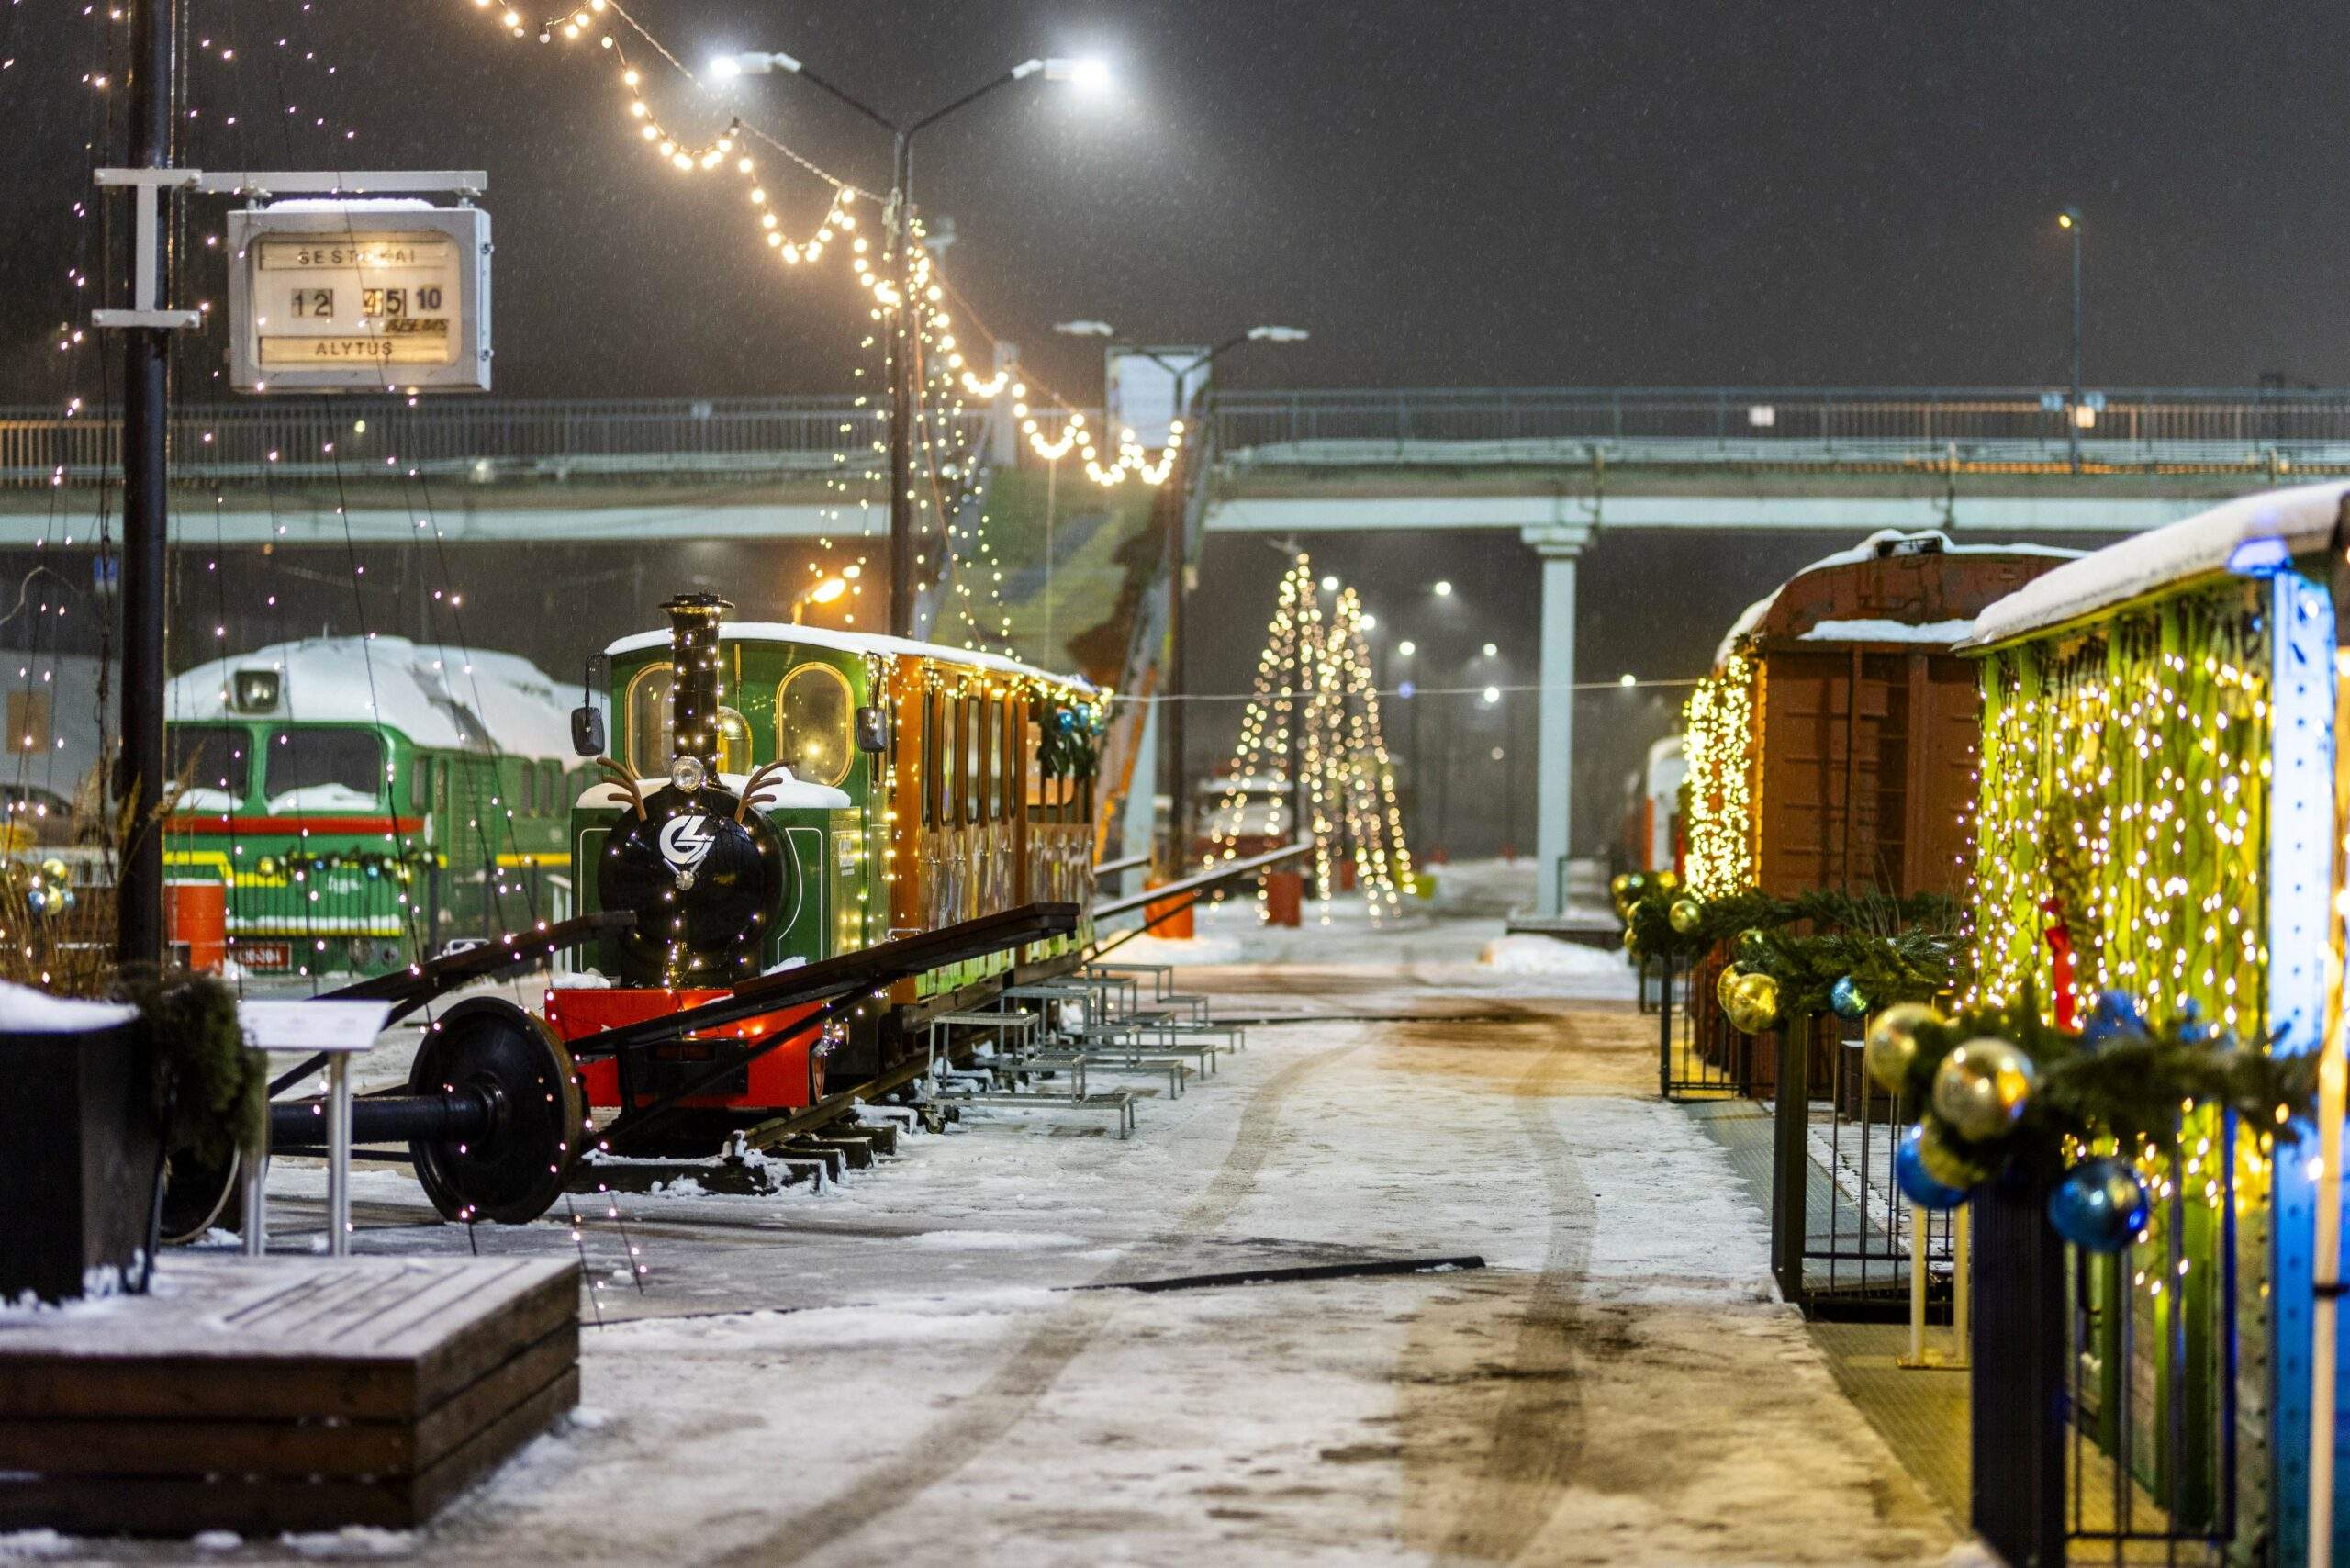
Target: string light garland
[[1720, 742]]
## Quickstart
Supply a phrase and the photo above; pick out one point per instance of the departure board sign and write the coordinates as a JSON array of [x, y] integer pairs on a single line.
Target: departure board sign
[[359, 296]]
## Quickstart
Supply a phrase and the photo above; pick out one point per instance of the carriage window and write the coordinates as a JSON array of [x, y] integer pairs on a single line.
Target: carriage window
[[211, 756], [812, 717], [419, 785], [323, 770], [1040, 789], [551, 799], [992, 758], [525, 801], [932, 731], [1007, 757], [648, 721], [964, 807]]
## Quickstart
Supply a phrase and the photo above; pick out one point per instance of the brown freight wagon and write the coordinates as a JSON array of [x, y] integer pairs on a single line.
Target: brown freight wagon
[[1860, 771]]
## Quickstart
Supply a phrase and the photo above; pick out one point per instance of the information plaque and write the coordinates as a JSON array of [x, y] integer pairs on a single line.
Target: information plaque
[[365, 295]]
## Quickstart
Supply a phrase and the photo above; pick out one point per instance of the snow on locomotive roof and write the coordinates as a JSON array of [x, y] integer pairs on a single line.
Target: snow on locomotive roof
[[853, 643], [1883, 542], [504, 702], [2251, 534]]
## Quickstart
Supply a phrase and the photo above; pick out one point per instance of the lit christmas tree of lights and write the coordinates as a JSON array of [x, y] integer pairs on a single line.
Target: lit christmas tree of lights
[[1315, 703]]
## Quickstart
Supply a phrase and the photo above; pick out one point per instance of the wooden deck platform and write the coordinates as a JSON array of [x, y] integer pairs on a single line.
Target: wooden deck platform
[[281, 1393]]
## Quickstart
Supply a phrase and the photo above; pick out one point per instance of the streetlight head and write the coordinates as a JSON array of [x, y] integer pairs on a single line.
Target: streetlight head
[[1368, 621], [1491, 650], [1329, 585], [749, 62], [1627, 679], [1087, 71], [1443, 591], [1085, 328], [1493, 694], [2068, 217], [1407, 647], [1277, 334], [828, 590]]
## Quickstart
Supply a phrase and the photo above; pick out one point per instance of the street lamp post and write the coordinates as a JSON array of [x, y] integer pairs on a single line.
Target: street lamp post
[[1176, 564], [2070, 221], [898, 219]]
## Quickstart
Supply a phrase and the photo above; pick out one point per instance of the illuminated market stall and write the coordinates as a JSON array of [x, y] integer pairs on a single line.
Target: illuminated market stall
[[2156, 837]]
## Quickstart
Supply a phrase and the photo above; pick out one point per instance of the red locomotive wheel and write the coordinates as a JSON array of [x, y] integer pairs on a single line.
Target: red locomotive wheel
[[515, 1172]]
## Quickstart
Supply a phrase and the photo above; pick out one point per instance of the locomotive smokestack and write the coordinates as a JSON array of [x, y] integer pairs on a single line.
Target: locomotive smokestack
[[695, 689]]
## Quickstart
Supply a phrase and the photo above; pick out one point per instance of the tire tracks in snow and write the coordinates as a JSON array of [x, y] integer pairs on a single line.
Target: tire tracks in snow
[[1492, 1443], [981, 1418]]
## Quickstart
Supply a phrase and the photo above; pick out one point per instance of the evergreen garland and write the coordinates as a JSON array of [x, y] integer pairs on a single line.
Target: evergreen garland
[[1070, 742], [1649, 931], [209, 1090], [1913, 965], [2130, 1084]]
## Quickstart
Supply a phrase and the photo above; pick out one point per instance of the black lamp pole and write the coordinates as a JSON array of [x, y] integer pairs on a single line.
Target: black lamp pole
[[904, 393], [146, 415]]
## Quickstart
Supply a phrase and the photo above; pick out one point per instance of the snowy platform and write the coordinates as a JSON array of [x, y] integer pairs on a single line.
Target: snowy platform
[[281, 1393]]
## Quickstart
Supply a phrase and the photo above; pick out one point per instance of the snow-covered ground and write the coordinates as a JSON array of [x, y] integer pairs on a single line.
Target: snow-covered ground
[[935, 1363]]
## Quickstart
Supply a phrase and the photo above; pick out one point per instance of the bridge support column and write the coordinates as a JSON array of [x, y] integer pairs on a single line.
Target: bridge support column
[[1559, 545]]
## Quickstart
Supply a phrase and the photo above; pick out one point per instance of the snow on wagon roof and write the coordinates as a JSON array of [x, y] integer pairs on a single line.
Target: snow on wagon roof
[[1884, 542], [853, 643], [428, 694], [2250, 533]]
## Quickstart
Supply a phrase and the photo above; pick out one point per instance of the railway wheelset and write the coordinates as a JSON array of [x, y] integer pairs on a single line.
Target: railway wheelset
[[494, 1116]]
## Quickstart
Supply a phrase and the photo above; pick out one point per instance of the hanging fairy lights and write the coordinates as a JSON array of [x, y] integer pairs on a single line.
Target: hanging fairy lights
[[2123, 795], [1719, 741]]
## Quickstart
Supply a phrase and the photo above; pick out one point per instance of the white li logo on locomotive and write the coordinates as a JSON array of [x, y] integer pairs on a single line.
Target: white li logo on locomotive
[[685, 845]]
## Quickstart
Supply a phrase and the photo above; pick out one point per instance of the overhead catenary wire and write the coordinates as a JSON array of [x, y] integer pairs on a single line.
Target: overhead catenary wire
[[1415, 692]]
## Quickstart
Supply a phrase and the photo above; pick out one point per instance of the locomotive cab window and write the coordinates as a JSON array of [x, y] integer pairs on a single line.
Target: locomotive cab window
[[211, 756], [325, 768], [813, 715], [652, 741], [963, 807]]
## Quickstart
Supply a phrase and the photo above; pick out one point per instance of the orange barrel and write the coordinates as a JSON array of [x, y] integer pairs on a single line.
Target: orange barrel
[[1284, 898], [1177, 925], [196, 915]]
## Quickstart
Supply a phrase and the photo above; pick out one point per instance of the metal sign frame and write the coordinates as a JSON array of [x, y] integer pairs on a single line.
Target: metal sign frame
[[467, 231]]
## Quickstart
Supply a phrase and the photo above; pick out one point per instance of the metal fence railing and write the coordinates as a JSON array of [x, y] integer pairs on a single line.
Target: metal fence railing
[[492, 439]]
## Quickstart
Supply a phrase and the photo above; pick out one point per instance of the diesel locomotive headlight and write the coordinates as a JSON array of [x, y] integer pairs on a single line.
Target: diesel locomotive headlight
[[688, 773]]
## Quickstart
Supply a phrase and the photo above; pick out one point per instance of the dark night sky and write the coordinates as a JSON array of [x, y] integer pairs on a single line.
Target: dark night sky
[[1488, 192]]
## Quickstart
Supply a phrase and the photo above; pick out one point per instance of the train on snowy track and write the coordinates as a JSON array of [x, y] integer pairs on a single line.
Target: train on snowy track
[[809, 845], [778, 795], [348, 805]]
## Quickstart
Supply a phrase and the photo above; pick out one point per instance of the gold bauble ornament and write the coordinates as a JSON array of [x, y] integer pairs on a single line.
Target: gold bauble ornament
[[1981, 1089], [1684, 915], [1947, 1163], [1667, 880], [1726, 986], [1627, 939], [1892, 1043], [1754, 1003], [1621, 888]]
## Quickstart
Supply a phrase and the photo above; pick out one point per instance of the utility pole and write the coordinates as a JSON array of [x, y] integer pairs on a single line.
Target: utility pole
[[901, 393], [2070, 220], [145, 418]]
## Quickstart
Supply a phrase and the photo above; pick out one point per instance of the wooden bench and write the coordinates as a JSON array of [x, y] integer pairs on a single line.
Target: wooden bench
[[263, 1395]]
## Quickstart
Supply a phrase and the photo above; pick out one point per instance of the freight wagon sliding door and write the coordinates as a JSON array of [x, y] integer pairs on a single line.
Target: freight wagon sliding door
[[1868, 761]]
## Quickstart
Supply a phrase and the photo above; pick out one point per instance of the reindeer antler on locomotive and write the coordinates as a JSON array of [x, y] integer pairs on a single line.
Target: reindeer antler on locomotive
[[808, 842]]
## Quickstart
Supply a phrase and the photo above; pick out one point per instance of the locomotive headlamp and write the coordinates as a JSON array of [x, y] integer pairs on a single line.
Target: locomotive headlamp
[[687, 773], [256, 691]]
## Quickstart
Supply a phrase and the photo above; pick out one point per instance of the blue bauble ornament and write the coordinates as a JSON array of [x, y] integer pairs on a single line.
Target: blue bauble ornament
[[2100, 1206], [1845, 999], [2193, 1027], [1916, 1185], [2114, 1015]]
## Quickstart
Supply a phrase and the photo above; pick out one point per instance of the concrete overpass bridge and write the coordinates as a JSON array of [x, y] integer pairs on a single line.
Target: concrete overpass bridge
[[1554, 466]]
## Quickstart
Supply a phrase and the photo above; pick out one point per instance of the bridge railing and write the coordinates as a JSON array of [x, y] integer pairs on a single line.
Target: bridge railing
[[1763, 423], [507, 438]]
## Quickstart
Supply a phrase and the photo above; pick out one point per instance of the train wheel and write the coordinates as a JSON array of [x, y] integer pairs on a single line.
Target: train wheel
[[196, 1197], [515, 1172]]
